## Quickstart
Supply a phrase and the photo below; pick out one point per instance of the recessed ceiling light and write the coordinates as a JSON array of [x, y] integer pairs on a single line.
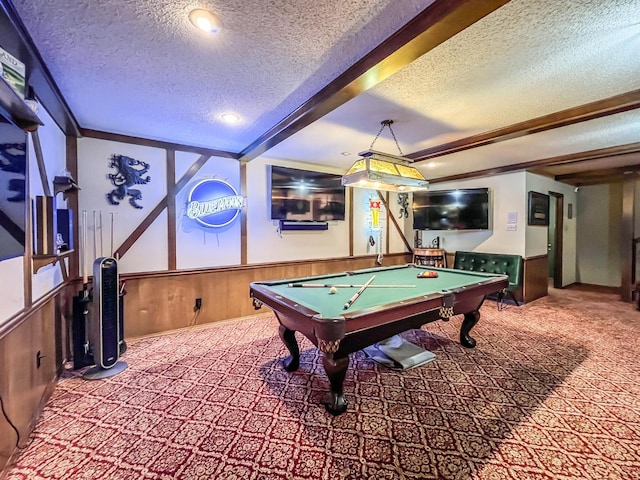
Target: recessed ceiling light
[[346, 154], [205, 20], [229, 117]]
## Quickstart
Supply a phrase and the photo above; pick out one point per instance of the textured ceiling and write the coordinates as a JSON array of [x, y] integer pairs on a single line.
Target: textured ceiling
[[140, 68], [523, 61]]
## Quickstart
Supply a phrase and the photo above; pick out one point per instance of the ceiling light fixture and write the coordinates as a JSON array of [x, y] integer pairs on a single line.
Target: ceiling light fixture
[[230, 118], [205, 20], [383, 171]]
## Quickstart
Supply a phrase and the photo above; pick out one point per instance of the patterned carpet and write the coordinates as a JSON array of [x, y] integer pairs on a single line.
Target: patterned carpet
[[550, 392]]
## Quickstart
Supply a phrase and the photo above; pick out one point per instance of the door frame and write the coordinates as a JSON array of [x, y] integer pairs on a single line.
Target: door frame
[[558, 238]]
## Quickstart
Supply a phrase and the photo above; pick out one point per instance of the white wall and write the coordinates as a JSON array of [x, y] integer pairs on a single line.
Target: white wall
[[12, 285], [506, 196], [598, 245], [509, 196], [266, 244], [54, 148], [12, 270], [537, 237], [197, 246], [363, 227], [150, 252]]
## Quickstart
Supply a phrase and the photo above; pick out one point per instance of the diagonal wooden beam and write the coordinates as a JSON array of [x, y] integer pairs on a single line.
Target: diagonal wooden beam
[[155, 213], [37, 148], [385, 202], [243, 215], [171, 210], [434, 25], [589, 111]]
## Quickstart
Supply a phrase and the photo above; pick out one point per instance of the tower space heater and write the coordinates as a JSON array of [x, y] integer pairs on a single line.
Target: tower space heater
[[104, 324]]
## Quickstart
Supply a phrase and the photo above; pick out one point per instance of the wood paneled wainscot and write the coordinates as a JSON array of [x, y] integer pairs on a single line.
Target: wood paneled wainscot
[[536, 282], [155, 302], [30, 361], [162, 301]]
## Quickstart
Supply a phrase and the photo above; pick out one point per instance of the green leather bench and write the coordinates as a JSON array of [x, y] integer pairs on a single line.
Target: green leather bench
[[505, 264]]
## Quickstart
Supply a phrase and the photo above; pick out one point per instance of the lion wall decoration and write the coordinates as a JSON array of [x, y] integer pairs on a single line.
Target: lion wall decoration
[[13, 160], [130, 173], [403, 201]]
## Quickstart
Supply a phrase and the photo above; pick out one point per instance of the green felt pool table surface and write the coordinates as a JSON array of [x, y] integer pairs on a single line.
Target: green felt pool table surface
[[406, 286], [377, 313]]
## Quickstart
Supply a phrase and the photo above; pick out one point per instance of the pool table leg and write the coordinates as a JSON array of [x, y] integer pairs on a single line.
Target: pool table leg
[[288, 337], [470, 319], [336, 369]]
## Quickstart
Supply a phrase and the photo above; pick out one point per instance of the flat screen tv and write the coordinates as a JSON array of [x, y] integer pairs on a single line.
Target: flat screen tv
[[306, 195], [13, 167], [465, 209]]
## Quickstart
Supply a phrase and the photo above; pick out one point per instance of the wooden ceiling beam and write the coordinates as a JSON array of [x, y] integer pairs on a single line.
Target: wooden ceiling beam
[[434, 25], [596, 175], [545, 162], [582, 113], [120, 138]]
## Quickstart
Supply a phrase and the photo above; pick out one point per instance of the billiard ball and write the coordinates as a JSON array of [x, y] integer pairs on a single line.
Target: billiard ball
[[428, 274], [333, 290]]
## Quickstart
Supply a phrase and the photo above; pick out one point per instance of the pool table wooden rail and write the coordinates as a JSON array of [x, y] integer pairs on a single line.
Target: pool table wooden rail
[[337, 337]]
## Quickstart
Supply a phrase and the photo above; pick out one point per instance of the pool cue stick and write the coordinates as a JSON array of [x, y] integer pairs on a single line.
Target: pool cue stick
[[358, 293], [111, 213], [95, 238], [101, 250], [84, 301], [339, 285], [83, 257]]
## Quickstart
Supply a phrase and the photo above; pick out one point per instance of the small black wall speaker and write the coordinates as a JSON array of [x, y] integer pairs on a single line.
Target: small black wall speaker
[[64, 219]]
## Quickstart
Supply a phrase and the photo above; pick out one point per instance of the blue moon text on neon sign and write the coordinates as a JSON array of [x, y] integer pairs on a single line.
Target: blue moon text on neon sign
[[214, 203]]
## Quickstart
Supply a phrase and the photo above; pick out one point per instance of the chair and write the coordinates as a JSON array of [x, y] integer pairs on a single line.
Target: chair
[[505, 264]]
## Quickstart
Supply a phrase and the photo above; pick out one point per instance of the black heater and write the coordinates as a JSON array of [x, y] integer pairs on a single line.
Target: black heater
[[82, 356], [104, 324]]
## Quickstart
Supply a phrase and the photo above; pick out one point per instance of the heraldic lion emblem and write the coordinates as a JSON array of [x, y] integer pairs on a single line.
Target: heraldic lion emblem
[[130, 173]]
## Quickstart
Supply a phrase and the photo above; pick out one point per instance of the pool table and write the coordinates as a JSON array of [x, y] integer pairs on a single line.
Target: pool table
[[395, 300]]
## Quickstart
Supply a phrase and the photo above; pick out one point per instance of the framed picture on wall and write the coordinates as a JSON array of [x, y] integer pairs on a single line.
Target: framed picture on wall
[[538, 208]]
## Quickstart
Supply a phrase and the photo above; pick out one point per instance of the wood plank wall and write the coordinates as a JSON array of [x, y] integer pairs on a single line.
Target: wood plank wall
[[24, 387], [164, 301], [159, 302], [155, 302], [536, 278]]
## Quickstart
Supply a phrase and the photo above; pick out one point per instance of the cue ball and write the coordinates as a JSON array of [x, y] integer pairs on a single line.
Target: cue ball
[[333, 290]]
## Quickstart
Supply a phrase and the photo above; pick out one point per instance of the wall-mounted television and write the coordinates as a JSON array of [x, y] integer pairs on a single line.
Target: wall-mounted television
[[13, 205], [305, 195], [464, 209]]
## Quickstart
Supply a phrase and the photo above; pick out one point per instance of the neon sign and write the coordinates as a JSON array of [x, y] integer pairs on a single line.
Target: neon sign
[[214, 203]]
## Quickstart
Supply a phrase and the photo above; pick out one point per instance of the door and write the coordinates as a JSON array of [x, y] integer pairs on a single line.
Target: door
[[556, 224], [551, 237]]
